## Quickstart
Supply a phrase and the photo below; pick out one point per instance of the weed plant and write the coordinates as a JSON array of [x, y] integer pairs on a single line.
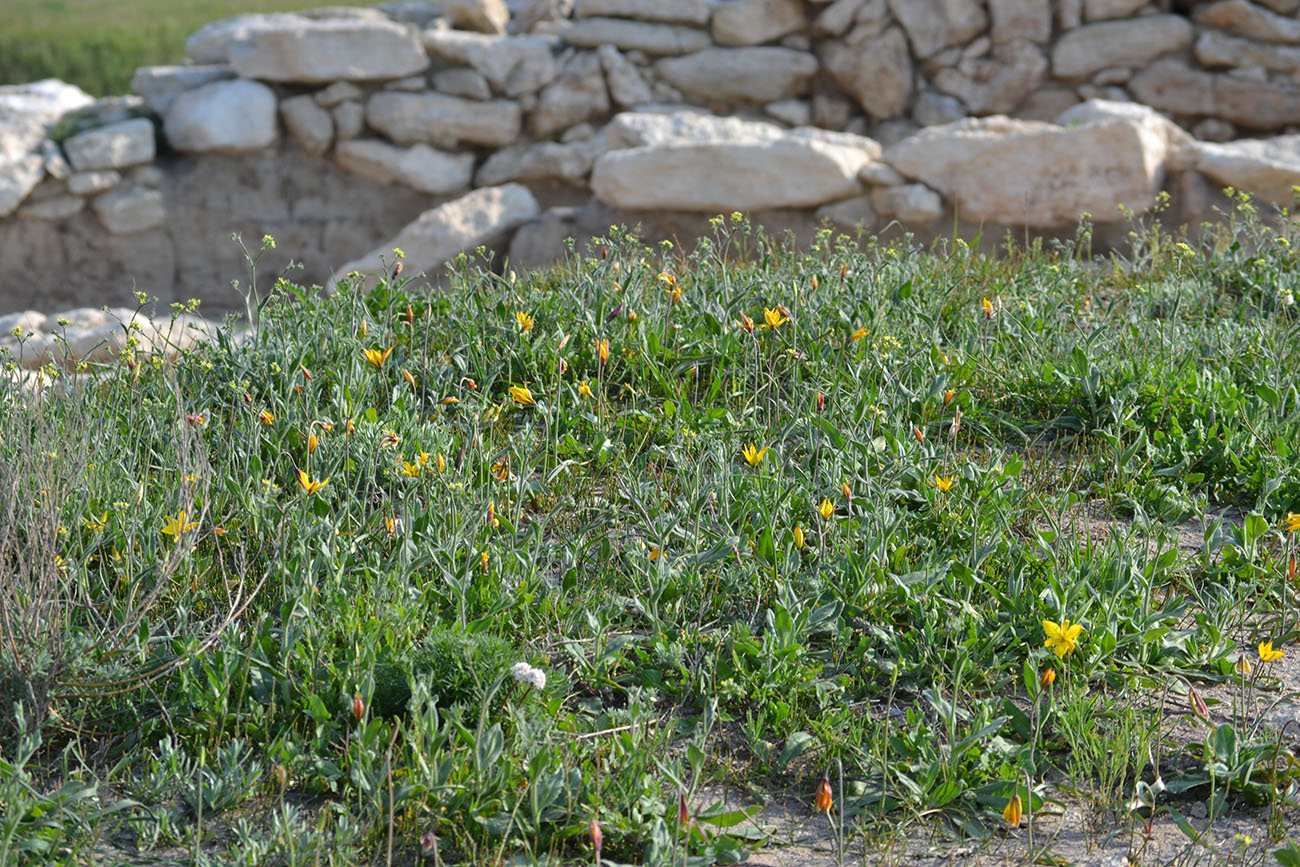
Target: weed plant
[[528, 570]]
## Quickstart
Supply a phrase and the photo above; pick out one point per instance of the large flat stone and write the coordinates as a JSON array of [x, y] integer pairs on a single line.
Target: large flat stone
[[1267, 168], [1170, 85], [439, 234], [751, 75], [444, 121], [419, 166], [130, 209], [320, 51], [229, 116], [1247, 19], [635, 36], [115, 146], [753, 22], [665, 11], [752, 167], [542, 161], [513, 65], [1018, 173], [1131, 42]]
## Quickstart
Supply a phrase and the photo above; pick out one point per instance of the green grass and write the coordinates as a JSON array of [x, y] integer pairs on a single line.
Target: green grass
[[98, 44], [328, 675]]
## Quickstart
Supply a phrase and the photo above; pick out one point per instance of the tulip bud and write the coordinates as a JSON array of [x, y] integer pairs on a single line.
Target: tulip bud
[[1048, 678], [821, 403], [823, 800], [798, 537], [597, 836], [683, 814], [1012, 812], [1198, 703], [281, 776], [916, 432], [358, 707]]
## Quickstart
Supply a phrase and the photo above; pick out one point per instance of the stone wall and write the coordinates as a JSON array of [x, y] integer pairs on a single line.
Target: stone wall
[[346, 131]]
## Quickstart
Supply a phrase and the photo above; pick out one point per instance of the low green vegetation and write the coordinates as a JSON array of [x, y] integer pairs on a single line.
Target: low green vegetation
[[486, 575], [97, 44]]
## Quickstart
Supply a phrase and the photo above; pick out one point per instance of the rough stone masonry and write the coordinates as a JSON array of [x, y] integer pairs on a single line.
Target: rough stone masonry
[[442, 126]]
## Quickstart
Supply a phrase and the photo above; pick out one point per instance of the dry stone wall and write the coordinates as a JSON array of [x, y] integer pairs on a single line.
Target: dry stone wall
[[440, 126]]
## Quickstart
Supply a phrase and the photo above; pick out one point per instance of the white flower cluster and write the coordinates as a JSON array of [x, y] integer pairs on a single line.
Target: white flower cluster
[[525, 673]]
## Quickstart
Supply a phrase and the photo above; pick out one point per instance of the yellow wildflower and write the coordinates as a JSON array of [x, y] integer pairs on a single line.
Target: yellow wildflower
[[774, 318], [826, 509], [176, 527], [522, 395], [944, 484], [376, 357], [309, 485], [524, 320], [858, 335], [1063, 638], [1267, 653], [1012, 812], [584, 389], [753, 456]]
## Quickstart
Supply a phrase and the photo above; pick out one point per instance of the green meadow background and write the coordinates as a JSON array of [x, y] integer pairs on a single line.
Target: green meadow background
[[97, 44]]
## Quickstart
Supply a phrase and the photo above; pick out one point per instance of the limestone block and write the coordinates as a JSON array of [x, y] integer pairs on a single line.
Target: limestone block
[[746, 75], [1021, 19], [625, 82], [319, 51], [462, 82], [159, 85], [1098, 10], [485, 16], [311, 126], [655, 39], [419, 167], [439, 234], [753, 22], [1020, 172], [698, 164], [850, 213], [18, 177], [1246, 19], [1131, 42], [1266, 168], [349, 120], [912, 204], [666, 11], [578, 95], [1214, 48], [570, 162], [998, 83], [795, 112], [112, 147], [877, 72], [230, 116], [89, 183], [211, 42], [130, 209], [443, 121], [933, 25], [1169, 84], [53, 208], [338, 92], [512, 65]]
